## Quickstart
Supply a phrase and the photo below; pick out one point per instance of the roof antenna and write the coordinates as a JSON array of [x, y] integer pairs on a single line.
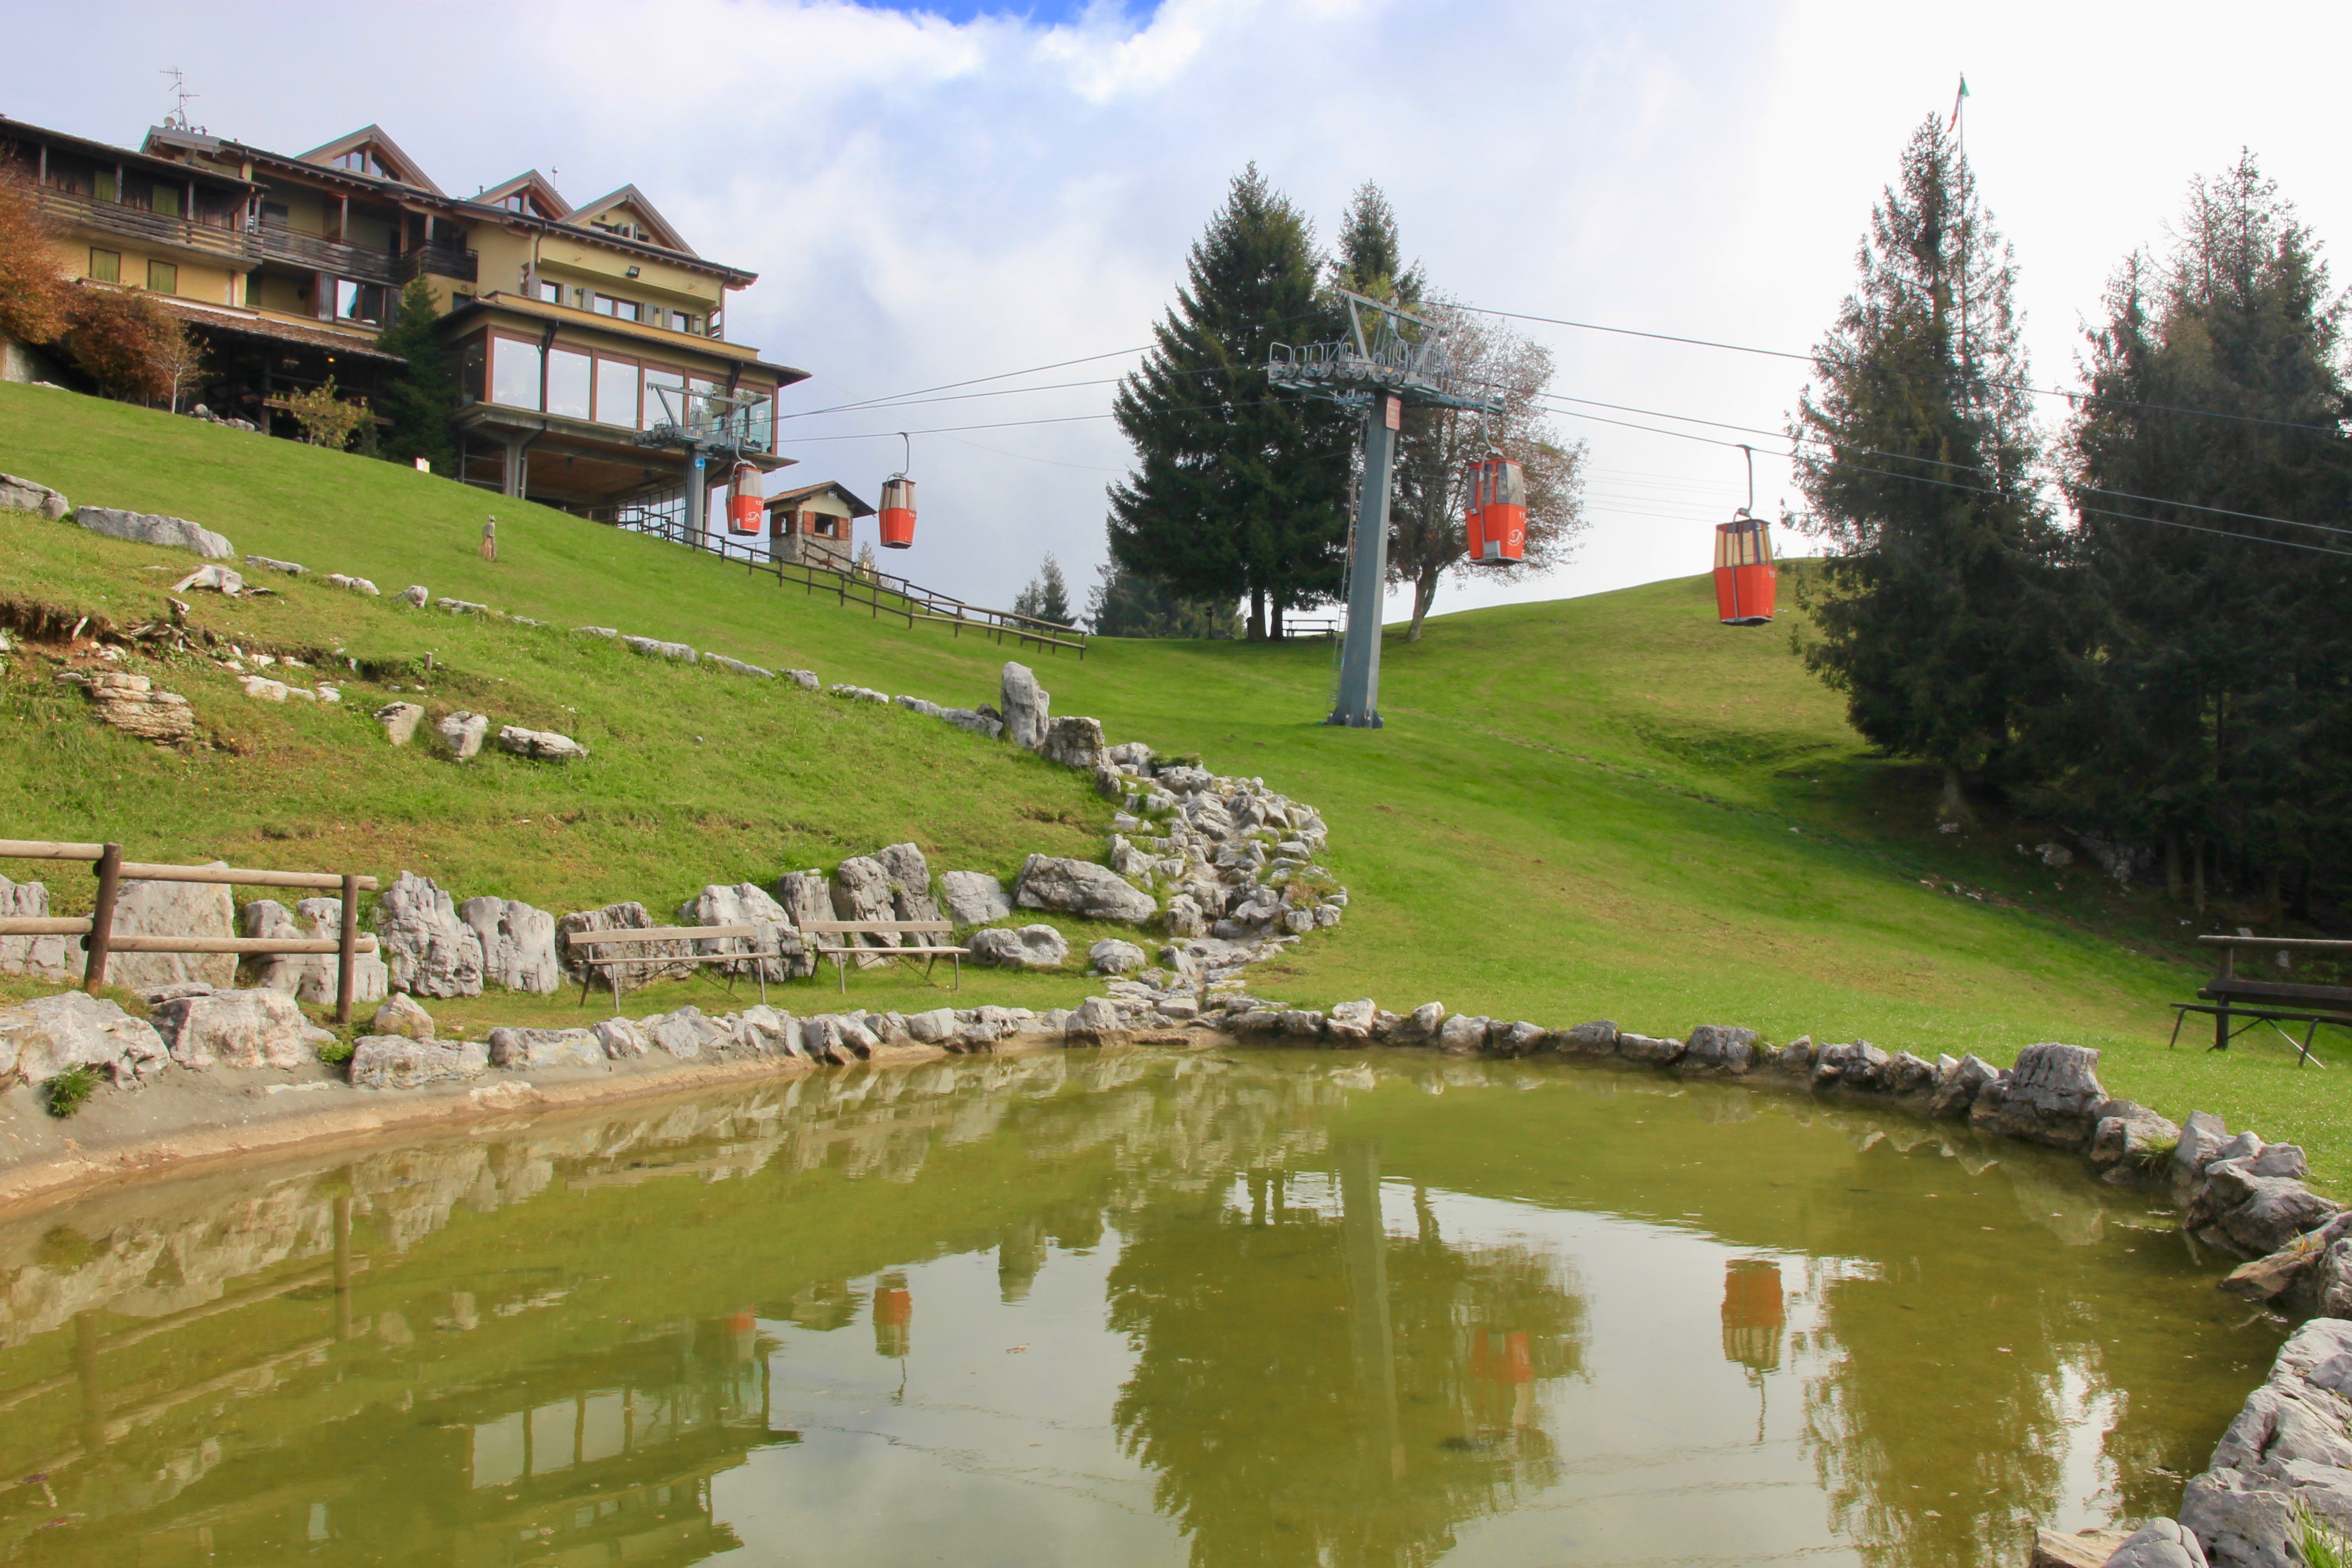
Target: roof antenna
[[181, 97]]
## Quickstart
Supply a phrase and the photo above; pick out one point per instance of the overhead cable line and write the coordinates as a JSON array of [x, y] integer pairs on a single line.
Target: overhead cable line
[[1812, 359]]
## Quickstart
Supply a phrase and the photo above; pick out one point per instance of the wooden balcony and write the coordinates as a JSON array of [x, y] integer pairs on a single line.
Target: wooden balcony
[[440, 260], [275, 242], [156, 229]]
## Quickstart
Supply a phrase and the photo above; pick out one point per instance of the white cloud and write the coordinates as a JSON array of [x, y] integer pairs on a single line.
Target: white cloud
[[930, 201]]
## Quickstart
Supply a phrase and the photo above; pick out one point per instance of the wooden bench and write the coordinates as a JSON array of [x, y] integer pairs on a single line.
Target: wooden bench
[[2230, 994], [841, 952], [611, 963]]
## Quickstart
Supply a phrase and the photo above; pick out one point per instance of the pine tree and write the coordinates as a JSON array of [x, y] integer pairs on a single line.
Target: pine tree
[[1236, 490], [422, 397], [1124, 603], [1369, 254], [1938, 610], [2217, 717], [1047, 596]]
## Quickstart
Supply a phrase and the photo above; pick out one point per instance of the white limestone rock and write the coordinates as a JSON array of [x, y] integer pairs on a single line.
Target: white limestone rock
[[517, 943], [417, 595], [25, 495], [804, 678], [517, 1050], [403, 1015], [1026, 706], [428, 950], [353, 585], [746, 903], [41, 1038], [1074, 742], [861, 892], [150, 528], [462, 733], [1027, 947], [1096, 1022], [51, 958], [395, 1061], [1112, 957], [651, 647], [911, 882], [2288, 1446], [1080, 887], [311, 977], [541, 745], [399, 721], [172, 909], [974, 898], [290, 568], [240, 1029], [737, 667], [641, 964]]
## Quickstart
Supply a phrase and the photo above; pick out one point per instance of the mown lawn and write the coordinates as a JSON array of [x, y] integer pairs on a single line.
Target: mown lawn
[[1606, 807]]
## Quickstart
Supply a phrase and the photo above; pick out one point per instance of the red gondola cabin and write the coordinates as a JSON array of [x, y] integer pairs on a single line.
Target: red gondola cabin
[[1744, 575], [897, 513], [1496, 529]]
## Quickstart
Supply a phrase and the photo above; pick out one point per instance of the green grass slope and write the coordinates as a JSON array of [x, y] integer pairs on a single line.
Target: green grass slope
[[1607, 806]]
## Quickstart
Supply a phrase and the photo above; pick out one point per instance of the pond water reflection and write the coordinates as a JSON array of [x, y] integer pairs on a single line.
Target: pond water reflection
[[1264, 1309]]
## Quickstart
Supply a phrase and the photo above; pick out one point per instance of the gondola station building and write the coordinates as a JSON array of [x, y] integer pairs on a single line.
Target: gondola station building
[[596, 370]]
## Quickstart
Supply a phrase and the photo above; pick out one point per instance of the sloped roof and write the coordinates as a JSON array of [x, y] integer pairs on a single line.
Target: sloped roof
[[550, 204], [404, 170], [786, 498], [635, 199]]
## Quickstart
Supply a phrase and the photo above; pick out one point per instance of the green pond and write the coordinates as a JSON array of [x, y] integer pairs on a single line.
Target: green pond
[[1130, 1308]]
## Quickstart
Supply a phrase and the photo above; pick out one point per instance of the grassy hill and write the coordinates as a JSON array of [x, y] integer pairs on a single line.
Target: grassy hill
[[1608, 806]]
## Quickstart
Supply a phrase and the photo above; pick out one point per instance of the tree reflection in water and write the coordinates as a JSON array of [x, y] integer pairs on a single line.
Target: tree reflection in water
[[1312, 1389]]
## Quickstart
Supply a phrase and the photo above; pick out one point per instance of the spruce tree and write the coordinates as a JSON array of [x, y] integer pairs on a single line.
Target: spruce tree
[[1236, 490], [1047, 596], [421, 398], [1938, 611], [2216, 721], [1124, 603]]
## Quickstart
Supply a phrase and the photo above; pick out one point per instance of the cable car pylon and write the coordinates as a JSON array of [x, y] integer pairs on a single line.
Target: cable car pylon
[[1403, 362]]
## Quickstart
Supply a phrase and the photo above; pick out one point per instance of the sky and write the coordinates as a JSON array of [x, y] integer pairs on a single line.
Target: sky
[[938, 193]]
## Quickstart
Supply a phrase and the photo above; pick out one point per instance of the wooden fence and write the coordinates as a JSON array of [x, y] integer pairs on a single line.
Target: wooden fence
[[879, 591], [96, 929]]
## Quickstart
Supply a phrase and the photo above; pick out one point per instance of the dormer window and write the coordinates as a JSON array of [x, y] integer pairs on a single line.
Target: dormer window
[[363, 160]]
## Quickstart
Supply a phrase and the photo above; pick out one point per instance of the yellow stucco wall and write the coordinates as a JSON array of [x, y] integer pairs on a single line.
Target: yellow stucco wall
[[197, 280]]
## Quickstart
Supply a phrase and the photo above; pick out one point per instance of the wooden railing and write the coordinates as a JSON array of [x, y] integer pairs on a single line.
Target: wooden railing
[[880, 593], [97, 928], [278, 243], [121, 218], [440, 260]]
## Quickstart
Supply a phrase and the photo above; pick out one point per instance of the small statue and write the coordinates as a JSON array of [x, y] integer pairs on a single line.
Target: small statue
[[490, 539]]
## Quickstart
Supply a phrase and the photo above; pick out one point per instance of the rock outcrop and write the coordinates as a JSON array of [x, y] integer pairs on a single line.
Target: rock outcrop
[[131, 704], [149, 528], [395, 1061], [1073, 742], [1026, 707], [974, 898], [520, 1049], [746, 903], [541, 745], [41, 1038], [52, 958], [646, 963], [517, 943], [2049, 1096], [1080, 887], [2291, 1445], [428, 951], [311, 977], [1024, 947], [461, 733], [25, 495], [239, 1029], [172, 909]]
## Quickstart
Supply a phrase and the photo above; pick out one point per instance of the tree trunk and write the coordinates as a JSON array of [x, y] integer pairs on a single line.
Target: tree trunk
[[2172, 864], [2273, 899], [1952, 806], [1257, 615], [1424, 594], [1274, 620], [2197, 870]]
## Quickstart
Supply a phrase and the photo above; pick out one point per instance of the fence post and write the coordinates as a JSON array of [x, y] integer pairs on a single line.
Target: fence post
[[101, 919], [347, 954]]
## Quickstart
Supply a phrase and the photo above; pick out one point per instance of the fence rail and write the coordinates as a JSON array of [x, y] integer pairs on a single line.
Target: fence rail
[[96, 929], [880, 593]]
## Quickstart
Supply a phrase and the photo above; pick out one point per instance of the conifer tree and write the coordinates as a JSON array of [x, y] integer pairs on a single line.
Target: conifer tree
[[1124, 603], [1938, 609], [2216, 719], [1236, 490], [1047, 596], [422, 397]]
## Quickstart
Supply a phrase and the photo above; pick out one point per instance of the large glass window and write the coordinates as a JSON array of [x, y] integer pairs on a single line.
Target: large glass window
[[514, 373], [660, 409], [620, 309], [360, 301], [106, 266], [470, 367], [163, 277], [568, 372], [617, 393]]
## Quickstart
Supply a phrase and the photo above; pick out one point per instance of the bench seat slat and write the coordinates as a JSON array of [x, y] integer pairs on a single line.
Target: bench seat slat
[[2231, 988], [661, 933], [876, 927]]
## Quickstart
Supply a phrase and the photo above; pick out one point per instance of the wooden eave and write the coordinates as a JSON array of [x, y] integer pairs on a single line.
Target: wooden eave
[[471, 208], [361, 138], [794, 497], [107, 153], [676, 344]]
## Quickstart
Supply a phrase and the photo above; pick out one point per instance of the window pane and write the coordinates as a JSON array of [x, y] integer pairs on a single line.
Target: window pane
[[605, 304], [567, 383], [617, 393], [551, 292], [514, 373], [163, 277], [627, 309], [470, 372], [106, 266], [661, 410]]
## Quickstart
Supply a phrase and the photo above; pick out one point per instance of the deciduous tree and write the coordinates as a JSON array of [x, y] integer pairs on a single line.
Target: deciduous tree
[[121, 340], [34, 295]]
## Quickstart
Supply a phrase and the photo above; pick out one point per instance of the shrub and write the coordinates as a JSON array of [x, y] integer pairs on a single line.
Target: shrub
[[70, 1090], [336, 1051], [33, 295], [121, 340], [325, 420]]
